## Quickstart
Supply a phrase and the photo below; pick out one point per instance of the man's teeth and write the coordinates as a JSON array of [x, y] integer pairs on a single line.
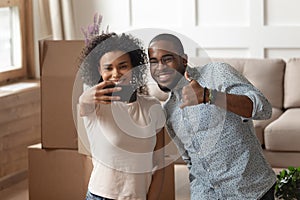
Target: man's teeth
[[163, 76]]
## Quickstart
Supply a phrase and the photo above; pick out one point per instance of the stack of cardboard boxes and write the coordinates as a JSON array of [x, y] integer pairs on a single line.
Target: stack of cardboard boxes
[[58, 167]]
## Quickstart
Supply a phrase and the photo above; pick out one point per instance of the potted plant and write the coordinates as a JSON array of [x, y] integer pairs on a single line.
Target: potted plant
[[288, 184]]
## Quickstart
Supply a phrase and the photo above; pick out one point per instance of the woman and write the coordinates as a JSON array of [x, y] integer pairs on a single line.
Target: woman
[[125, 135]]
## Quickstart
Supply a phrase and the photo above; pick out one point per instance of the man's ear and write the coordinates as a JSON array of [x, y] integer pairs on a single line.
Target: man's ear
[[184, 59]]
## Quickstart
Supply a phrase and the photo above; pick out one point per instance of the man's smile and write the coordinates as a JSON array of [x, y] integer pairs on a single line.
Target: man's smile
[[165, 76]]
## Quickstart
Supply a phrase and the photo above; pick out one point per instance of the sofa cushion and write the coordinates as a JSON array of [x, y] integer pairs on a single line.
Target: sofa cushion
[[265, 74], [282, 159], [292, 83], [260, 125], [283, 134]]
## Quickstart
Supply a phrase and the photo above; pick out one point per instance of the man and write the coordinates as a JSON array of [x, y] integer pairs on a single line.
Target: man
[[209, 116]]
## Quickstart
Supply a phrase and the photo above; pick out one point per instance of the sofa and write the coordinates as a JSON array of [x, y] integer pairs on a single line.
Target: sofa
[[279, 81]]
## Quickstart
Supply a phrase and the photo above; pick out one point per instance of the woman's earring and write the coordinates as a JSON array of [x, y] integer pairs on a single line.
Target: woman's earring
[[134, 81]]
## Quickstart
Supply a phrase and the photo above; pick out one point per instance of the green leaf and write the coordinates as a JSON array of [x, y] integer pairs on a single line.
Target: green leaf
[[283, 173], [290, 168], [287, 183]]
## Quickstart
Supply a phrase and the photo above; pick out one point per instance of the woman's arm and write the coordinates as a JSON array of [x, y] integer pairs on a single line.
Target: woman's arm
[[158, 161]]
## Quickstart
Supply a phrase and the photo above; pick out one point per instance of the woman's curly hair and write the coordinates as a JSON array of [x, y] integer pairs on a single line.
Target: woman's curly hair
[[108, 42]]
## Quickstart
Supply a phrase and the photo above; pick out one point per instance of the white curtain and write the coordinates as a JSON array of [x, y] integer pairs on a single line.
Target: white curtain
[[60, 15]]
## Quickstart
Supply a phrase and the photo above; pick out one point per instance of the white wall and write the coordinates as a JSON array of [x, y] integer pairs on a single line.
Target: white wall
[[226, 28]]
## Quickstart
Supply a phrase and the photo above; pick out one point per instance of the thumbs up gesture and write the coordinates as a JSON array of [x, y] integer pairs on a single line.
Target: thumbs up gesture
[[193, 93]]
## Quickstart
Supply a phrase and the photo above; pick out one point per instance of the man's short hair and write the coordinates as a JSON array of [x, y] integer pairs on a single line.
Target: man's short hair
[[171, 38]]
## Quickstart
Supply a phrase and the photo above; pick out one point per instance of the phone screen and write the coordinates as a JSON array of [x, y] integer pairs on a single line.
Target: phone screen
[[128, 93]]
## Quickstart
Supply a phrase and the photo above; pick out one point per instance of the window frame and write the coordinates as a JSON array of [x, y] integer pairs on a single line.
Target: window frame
[[27, 44]]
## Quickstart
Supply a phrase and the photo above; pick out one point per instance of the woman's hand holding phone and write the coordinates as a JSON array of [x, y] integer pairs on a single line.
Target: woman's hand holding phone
[[100, 94], [126, 94]]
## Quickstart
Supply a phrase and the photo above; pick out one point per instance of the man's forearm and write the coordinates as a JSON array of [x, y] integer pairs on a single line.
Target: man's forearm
[[238, 104]]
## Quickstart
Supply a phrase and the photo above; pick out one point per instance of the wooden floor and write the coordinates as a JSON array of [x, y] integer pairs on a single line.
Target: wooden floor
[[18, 191]]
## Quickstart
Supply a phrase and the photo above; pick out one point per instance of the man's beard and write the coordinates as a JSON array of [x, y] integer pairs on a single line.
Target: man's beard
[[169, 87]]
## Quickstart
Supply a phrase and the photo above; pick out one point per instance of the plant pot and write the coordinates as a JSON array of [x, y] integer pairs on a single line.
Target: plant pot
[[297, 192]]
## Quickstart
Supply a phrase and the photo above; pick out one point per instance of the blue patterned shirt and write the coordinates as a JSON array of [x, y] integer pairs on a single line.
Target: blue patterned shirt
[[221, 149]]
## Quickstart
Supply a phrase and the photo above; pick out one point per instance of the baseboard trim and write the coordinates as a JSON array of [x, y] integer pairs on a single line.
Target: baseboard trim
[[12, 179]]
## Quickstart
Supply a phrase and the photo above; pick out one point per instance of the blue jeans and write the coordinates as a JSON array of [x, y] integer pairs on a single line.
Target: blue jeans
[[90, 196]]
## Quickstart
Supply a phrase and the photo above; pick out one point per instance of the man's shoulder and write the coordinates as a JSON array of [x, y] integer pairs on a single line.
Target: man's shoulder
[[215, 66]]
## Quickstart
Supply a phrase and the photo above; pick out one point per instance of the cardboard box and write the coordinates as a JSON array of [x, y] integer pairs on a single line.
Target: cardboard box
[[64, 174], [168, 190], [83, 141], [57, 174], [59, 61]]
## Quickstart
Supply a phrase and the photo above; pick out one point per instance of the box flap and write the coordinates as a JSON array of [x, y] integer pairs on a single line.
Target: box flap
[[60, 57], [59, 70]]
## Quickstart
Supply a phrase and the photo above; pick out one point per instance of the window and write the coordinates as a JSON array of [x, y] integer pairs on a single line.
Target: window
[[16, 45]]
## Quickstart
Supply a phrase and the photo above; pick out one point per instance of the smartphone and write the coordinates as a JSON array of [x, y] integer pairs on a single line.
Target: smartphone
[[127, 94]]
